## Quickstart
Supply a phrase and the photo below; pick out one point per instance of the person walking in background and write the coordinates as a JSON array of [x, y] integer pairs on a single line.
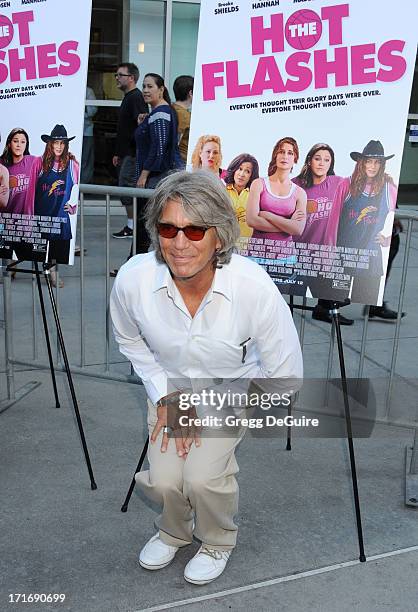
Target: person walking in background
[[132, 105], [207, 154], [183, 91], [157, 151], [87, 158]]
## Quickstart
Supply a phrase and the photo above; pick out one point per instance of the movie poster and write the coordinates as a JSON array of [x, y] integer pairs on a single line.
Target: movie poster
[[300, 107], [43, 70]]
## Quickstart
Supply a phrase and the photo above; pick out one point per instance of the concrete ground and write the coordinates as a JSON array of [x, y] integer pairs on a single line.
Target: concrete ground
[[297, 546]]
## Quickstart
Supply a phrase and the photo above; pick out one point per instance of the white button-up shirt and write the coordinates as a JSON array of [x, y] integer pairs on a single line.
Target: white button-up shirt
[[156, 332]]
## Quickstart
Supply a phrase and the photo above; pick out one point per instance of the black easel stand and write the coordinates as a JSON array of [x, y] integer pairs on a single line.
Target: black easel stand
[[336, 317], [48, 343], [46, 269], [289, 410], [138, 469]]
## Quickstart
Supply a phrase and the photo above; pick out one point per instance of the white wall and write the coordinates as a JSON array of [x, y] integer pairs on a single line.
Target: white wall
[[146, 24], [183, 39]]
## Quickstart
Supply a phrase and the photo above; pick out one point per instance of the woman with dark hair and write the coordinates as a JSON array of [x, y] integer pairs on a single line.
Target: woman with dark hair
[[358, 218], [276, 207], [318, 179], [240, 174], [52, 179], [157, 151], [18, 161]]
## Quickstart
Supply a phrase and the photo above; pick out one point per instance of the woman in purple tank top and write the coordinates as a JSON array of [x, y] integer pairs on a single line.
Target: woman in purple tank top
[[17, 159], [318, 179]]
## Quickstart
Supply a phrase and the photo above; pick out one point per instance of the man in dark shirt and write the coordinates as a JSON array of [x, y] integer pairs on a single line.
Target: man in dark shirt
[[133, 104]]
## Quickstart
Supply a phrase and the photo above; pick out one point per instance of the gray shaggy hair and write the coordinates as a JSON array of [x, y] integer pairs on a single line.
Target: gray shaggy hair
[[205, 202]]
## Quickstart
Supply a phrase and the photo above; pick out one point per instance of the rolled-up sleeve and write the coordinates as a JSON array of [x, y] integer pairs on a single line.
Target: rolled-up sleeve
[[134, 347]]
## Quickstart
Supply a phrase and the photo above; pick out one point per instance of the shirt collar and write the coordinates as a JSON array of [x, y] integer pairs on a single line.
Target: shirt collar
[[231, 187], [162, 277], [221, 282]]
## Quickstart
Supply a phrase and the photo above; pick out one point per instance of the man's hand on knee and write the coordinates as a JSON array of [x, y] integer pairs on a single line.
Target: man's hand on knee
[[191, 432], [168, 415]]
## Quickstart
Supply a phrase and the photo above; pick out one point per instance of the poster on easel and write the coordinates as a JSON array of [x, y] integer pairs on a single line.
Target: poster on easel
[[44, 49], [301, 109]]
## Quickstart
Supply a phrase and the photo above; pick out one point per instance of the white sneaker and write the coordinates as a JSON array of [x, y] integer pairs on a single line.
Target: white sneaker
[[156, 554], [206, 565]]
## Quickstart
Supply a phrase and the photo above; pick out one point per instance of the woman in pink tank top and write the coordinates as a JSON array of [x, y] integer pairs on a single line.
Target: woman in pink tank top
[[276, 207]]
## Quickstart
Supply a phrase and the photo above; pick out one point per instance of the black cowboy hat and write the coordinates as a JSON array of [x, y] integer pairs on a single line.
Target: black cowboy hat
[[58, 133], [374, 148]]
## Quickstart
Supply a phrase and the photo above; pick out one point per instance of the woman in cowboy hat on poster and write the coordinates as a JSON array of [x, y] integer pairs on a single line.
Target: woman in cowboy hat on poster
[[358, 220], [52, 179]]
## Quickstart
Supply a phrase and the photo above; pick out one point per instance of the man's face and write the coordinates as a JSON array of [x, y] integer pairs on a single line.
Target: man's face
[[187, 259], [124, 80]]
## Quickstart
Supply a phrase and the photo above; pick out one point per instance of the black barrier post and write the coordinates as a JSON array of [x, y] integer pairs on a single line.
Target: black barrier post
[[336, 316], [138, 469]]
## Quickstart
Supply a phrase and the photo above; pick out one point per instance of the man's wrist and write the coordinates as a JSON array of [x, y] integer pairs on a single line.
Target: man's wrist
[[168, 399]]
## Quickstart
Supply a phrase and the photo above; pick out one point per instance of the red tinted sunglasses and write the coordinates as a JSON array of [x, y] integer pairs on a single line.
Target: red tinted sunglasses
[[192, 232]]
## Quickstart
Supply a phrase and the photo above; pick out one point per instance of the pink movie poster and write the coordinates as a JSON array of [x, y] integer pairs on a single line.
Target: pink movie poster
[[43, 71], [300, 109]]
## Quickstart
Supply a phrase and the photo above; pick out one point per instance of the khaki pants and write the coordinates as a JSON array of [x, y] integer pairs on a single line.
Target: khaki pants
[[202, 488]]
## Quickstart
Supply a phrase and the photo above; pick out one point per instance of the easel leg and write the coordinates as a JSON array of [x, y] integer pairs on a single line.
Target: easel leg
[[48, 343], [289, 429], [69, 377], [289, 410], [335, 314], [138, 469]]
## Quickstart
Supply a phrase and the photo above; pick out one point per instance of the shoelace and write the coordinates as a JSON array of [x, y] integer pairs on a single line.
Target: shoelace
[[215, 554]]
